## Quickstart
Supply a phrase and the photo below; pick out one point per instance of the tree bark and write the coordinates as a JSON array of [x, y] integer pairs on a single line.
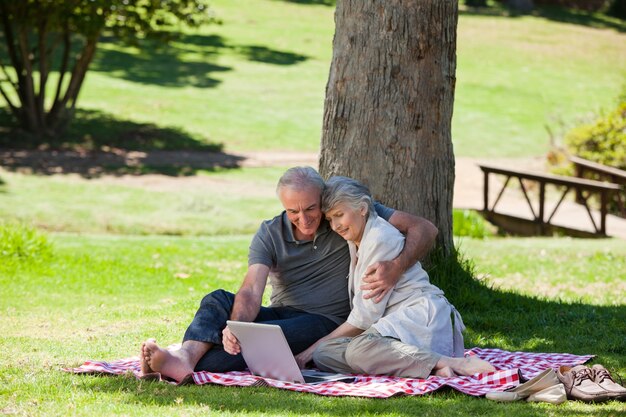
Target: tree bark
[[62, 109], [389, 100], [27, 86]]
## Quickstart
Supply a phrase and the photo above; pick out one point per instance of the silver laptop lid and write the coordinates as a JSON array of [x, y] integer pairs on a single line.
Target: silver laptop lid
[[266, 351]]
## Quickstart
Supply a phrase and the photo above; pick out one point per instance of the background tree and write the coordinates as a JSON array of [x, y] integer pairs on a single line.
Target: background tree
[[40, 38], [389, 99], [524, 6], [476, 3]]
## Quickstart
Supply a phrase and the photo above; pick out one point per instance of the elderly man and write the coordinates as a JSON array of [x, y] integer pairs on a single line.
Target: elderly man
[[307, 264]]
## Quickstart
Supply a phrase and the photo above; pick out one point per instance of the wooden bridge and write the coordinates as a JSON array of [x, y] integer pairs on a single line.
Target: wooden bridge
[[541, 207]]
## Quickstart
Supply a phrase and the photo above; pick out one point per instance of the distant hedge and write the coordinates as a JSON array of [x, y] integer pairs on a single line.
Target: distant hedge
[[587, 5], [616, 8]]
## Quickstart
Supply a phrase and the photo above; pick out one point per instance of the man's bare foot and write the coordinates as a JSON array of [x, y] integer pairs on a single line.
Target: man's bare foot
[[145, 367], [445, 372], [173, 364]]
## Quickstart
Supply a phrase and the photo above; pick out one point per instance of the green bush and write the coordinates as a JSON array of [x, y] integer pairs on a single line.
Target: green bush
[[602, 141], [22, 242], [470, 224], [617, 9]]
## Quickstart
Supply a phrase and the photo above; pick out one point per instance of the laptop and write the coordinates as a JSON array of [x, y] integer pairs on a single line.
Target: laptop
[[267, 354]]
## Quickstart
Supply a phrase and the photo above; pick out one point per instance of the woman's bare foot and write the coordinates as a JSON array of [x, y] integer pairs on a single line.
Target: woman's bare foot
[[445, 372], [173, 364], [469, 365]]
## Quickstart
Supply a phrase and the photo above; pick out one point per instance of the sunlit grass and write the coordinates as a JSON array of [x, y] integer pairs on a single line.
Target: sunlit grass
[[257, 82], [592, 271], [224, 202], [99, 296]]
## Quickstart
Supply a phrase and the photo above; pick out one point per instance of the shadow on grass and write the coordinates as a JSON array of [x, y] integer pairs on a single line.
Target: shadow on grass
[[269, 56], [97, 144], [554, 13], [163, 64], [512, 321], [273, 401], [494, 318], [189, 60]]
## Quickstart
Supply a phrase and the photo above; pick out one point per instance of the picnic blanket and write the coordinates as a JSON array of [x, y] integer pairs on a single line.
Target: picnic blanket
[[512, 369]]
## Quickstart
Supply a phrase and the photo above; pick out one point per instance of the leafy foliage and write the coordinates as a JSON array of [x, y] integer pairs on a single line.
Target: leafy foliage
[[468, 223], [21, 242], [40, 37], [617, 9], [602, 141]]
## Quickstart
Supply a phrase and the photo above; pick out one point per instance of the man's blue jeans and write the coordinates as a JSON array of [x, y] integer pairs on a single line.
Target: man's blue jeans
[[301, 329]]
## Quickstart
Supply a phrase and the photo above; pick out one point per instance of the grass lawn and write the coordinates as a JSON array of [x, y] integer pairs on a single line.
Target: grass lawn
[[517, 76], [131, 256], [211, 203], [99, 296], [257, 81]]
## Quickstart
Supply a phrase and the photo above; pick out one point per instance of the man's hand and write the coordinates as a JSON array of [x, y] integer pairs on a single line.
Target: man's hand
[[380, 278], [230, 342]]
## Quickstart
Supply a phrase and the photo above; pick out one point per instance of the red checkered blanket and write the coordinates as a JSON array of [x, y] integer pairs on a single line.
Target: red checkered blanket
[[511, 367]]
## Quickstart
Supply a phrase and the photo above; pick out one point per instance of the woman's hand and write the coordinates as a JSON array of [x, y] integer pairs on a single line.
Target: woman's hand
[[230, 342], [344, 330], [305, 357]]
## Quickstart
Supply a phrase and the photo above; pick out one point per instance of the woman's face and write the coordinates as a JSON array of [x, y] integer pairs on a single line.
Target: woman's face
[[347, 221]]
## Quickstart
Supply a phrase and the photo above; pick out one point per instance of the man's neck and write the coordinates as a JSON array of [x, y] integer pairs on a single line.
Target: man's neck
[[301, 236]]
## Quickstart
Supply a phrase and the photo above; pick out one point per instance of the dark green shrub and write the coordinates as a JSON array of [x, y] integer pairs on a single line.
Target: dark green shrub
[[587, 5], [476, 3], [617, 9]]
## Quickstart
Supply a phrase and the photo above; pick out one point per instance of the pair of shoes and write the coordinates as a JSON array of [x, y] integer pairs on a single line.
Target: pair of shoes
[[590, 384], [545, 387], [603, 378]]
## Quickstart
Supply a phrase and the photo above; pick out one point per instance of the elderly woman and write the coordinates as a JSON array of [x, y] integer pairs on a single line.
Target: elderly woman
[[413, 331]]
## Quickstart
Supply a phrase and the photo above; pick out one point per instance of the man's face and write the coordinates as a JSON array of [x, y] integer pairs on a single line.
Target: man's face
[[303, 208]]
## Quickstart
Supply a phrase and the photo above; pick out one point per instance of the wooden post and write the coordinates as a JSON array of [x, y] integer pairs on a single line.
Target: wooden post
[[486, 191], [580, 172], [542, 197], [604, 201]]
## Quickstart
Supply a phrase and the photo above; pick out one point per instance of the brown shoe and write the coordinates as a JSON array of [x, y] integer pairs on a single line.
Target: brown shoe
[[579, 384], [603, 378]]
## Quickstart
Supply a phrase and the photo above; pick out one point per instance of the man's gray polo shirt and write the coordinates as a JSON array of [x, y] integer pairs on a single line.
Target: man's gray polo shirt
[[306, 275]]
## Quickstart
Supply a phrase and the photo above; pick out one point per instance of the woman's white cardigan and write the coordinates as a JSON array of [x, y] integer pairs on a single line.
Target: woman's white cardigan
[[415, 311]]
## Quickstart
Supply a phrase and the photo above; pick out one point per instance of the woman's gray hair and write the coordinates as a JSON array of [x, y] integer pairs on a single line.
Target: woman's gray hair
[[299, 178], [348, 191]]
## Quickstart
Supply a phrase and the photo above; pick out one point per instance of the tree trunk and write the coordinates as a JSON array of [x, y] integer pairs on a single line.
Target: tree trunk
[[389, 99]]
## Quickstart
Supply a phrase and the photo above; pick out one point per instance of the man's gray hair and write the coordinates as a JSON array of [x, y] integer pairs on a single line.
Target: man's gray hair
[[348, 191], [299, 178]]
